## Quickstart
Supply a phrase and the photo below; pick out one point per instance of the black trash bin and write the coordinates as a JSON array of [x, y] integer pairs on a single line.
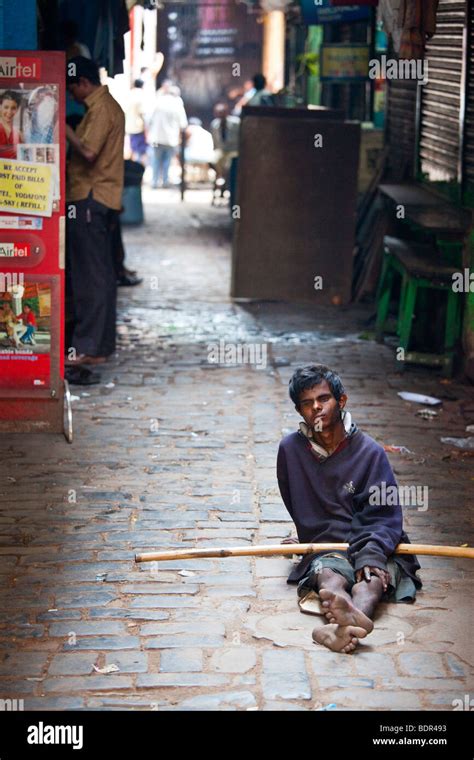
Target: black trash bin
[[132, 193]]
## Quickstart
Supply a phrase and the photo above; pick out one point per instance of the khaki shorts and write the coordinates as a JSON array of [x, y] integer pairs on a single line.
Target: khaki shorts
[[401, 587]]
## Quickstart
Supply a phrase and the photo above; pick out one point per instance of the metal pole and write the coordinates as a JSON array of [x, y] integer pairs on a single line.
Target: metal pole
[[183, 165]]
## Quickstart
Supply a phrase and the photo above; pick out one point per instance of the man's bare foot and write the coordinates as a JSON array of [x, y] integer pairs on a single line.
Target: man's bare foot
[[339, 638], [342, 611]]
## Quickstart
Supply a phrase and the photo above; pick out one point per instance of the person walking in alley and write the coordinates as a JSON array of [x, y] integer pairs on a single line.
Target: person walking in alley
[[165, 125], [135, 124], [94, 194], [332, 478]]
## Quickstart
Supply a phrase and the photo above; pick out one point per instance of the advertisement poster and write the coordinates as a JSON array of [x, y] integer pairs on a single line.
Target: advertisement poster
[[26, 188], [25, 333], [325, 13], [345, 63], [31, 224]]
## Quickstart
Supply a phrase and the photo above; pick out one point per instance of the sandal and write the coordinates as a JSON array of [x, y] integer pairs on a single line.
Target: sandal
[[81, 376]]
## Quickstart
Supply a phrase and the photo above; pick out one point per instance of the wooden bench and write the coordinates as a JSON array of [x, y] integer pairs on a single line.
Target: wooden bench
[[430, 218]]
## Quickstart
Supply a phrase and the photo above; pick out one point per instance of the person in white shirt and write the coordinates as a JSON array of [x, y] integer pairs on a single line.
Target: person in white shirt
[[199, 144], [134, 122], [167, 121], [199, 150]]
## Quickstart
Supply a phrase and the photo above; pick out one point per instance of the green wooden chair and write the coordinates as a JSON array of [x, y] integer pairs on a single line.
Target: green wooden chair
[[419, 267]]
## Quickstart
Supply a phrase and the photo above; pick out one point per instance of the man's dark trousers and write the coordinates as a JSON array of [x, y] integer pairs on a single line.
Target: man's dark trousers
[[91, 277]]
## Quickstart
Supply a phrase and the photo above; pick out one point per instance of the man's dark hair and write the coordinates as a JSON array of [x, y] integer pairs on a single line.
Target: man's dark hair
[[259, 82], [314, 374], [138, 83], [78, 67]]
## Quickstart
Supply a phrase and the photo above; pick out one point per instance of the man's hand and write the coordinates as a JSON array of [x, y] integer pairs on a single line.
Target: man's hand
[[366, 572], [290, 540], [70, 134]]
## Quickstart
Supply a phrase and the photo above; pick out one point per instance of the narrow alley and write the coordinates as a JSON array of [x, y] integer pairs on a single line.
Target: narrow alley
[[173, 449]]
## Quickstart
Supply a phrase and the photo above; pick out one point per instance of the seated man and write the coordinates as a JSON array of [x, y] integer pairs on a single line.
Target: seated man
[[326, 474], [12, 325], [225, 134]]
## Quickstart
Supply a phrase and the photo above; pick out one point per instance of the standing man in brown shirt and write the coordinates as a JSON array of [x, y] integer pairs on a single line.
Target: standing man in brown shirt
[[94, 196]]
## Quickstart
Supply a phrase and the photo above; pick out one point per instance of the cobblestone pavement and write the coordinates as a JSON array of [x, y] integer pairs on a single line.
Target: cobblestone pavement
[[172, 451]]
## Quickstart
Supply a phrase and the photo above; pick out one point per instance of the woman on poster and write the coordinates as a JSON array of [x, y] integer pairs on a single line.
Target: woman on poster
[[10, 136]]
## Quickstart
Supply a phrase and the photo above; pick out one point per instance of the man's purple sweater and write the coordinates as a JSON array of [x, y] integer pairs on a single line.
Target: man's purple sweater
[[328, 501]]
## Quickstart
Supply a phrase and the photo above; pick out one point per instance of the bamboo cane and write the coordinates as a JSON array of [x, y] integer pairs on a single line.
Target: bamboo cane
[[434, 550]]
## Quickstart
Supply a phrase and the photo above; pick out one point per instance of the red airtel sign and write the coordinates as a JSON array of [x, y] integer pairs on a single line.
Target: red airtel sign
[[19, 67], [14, 250]]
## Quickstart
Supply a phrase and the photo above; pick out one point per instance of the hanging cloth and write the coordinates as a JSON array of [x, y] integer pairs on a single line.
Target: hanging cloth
[[417, 20]]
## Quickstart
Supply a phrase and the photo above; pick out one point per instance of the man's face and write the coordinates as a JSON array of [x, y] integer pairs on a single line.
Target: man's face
[[79, 90], [319, 408]]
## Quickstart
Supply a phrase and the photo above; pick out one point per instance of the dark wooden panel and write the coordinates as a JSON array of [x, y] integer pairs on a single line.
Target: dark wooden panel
[[297, 209]]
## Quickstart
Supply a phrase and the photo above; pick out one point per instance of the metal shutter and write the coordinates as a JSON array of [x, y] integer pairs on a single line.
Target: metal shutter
[[469, 124], [401, 127], [441, 97]]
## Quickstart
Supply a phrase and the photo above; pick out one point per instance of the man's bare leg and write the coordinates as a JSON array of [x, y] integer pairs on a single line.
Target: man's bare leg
[[335, 582], [338, 638], [329, 580], [356, 610], [367, 594]]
